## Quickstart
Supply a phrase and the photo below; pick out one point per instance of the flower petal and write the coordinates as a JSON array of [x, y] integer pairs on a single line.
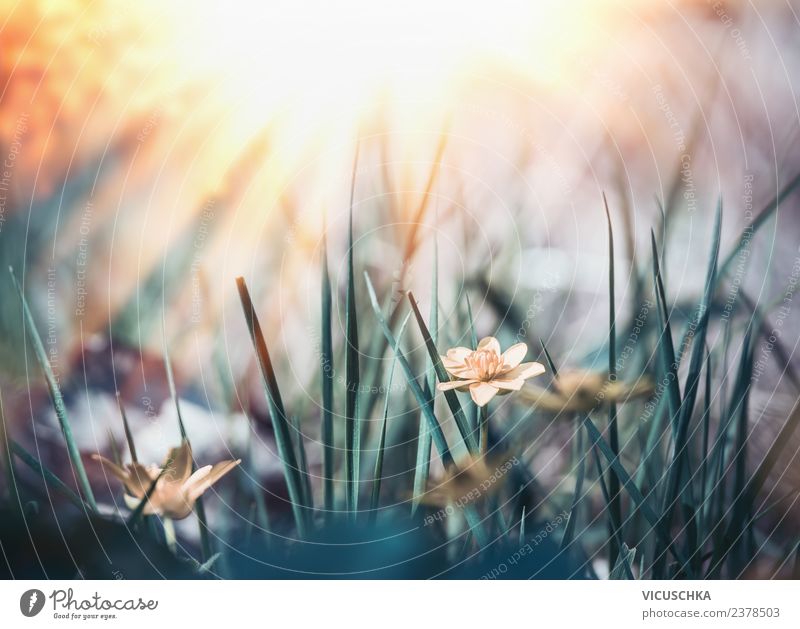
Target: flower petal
[[111, 467], [462, 371], [512, 384], [454, 384], [458, 354], [490, 343], [198, 475], [218, 471], [524, 371], [482, 392], [178, 463], [140, 478], [513, 356]]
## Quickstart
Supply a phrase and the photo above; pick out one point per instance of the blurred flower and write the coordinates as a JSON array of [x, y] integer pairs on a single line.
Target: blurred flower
[[582, 391], [486, 371], [472, 482], [176, 489]]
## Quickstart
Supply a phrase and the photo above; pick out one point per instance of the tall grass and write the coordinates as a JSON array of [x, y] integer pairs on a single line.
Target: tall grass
[[661, 487]]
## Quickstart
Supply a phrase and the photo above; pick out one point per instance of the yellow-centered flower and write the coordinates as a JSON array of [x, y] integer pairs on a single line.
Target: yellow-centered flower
[[177, 488], [487, 371]]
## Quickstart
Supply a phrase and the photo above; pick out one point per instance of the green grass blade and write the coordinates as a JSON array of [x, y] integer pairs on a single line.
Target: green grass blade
[[623, 568], [423, 461], [705, 455], [450, 396], [280, 423], [438, 434], [473, 339], [126, 426], [328, 371], [377, 477], [676, 489], [49, 477], [136, 515], [615, 505], [666, 348], [352, 374], [55, 396], [596, 438], [439, 439], [8, 460], [302, 459], [765, 214], [569, 531], [424, 437], [199, 506]]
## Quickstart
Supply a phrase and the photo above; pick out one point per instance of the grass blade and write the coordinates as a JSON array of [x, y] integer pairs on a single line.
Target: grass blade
[[302, 460], [473, 338], [666, 348], [439, 438], [623, 568], [49, 477], [126, 426], [615, 505], [450, 396], [55, 396], [569, 531], [378, 474], [280, 423], [596, 439], [205, 541], [327, 366], [8, 460], [136, 515], [424, 443], [677, 469], [352, 375]]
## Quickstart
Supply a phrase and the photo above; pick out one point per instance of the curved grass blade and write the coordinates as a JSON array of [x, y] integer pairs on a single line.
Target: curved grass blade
[[136, 515], [424, 443], [596, 438], [328, 449], [439, 438], [8, 460], [352, 434], [676, 489], [377, 477], [199, 506], [666, 348], [438, 434], [623, 568], [569, 531], [280, 423], [766, 212], [55, 396], [615, 505], [49, 477], [467, 435], [302, 460], [126, 426], [473, 339]]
